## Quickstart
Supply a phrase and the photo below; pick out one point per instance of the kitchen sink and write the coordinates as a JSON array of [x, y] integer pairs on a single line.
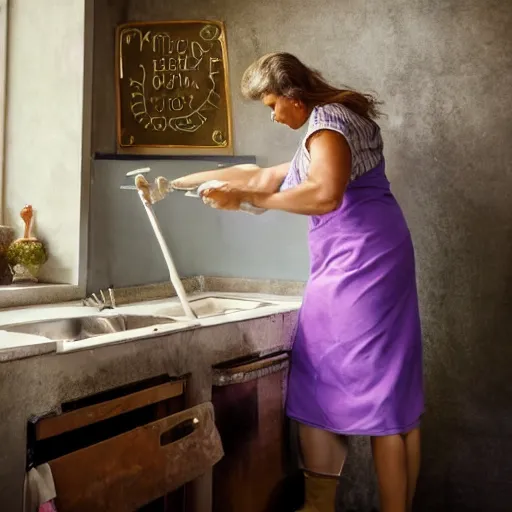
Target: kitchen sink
[[212, 306], [82, 328]]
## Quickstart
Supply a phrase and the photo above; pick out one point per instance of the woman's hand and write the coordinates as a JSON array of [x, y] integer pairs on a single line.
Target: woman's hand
[[227, 197], [184, 183]]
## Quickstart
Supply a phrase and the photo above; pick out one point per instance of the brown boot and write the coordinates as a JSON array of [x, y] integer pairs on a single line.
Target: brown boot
[[320, 492]]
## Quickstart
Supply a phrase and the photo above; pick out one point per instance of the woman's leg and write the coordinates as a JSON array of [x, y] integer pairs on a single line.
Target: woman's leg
[[323, 455], [390, 461], [397, 461], [322, 452], [413, 452]]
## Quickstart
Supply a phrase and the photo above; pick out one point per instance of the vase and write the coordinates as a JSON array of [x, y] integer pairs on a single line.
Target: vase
[[24, 273], [26, 255]]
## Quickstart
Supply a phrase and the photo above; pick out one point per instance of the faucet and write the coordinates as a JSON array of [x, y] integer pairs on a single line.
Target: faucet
[[142, 186], [103, 303]]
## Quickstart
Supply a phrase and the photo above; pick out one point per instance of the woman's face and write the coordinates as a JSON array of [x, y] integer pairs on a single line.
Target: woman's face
[[292, 113]]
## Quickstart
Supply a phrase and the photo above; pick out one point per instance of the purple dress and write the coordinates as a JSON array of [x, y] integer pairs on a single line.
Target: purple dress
[[357, 355]]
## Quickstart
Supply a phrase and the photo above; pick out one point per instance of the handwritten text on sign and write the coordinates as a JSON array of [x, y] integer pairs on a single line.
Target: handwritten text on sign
[[172, 88]]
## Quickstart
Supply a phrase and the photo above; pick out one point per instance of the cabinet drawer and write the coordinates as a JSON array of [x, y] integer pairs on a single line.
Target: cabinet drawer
[[130, 470], [99, 417], [81, 417]]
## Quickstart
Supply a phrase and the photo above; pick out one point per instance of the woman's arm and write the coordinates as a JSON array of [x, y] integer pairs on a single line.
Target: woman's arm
[[241, 173], [269, 180], [329, 174], [248, 175]]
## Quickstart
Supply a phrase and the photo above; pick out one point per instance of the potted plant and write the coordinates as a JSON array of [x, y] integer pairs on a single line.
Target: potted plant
[[26, 255]]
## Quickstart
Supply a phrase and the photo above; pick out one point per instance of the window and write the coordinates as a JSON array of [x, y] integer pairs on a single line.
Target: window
[[45, 132]]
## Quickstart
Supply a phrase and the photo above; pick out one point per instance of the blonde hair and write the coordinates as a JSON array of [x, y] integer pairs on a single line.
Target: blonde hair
[[285, 75]]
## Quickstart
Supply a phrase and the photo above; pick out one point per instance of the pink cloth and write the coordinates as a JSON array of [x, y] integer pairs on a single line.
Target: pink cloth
[[49, 506]]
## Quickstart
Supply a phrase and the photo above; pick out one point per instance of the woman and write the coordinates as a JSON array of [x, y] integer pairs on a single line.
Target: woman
[[357, 356]]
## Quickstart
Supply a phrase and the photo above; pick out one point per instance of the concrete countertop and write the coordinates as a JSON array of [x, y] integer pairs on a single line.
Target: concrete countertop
[[19, 345]]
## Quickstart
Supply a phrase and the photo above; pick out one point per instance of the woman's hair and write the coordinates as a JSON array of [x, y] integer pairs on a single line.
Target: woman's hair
[[285, 75]]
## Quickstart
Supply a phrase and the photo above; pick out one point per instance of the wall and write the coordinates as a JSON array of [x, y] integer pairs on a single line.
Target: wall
[[124, 250], [45, 115], [444, 70]]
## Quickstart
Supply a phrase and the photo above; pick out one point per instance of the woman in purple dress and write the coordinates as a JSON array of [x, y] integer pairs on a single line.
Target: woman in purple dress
[[357, 356]]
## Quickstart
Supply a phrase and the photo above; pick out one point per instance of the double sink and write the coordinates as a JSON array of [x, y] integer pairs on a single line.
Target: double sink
[[80, 328]]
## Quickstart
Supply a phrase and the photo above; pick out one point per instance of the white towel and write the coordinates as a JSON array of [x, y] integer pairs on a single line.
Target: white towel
[[244, 207], [39, 488]]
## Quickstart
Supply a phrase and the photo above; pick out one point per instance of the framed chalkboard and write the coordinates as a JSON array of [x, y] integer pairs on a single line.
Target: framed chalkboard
[[173, 88]]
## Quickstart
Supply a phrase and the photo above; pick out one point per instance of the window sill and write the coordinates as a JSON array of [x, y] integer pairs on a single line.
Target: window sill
[[35, 294]]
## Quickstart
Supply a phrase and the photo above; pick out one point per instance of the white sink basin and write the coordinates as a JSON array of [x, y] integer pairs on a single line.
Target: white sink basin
[[211, 306]]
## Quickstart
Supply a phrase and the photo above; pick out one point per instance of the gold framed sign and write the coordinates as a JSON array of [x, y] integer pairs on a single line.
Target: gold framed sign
[[172, 87]]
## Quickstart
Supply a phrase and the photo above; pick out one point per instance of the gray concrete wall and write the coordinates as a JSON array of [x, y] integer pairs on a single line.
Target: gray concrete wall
[[444, 70], [123, 250]]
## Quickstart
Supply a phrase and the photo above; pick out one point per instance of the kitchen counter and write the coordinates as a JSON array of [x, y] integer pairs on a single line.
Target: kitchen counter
[[35, 378], [15, 345]]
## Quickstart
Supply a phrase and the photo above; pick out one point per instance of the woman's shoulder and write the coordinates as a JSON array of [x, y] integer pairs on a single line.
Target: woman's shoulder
[[338, 117], [337, 111], [328, 110], [333, 114], [326, 116]]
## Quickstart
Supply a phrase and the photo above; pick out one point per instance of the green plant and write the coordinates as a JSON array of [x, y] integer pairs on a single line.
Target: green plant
[[30, 253]]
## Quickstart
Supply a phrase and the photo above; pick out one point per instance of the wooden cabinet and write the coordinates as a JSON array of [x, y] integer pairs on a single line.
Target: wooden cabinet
[[248, 396], [126, 452]]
